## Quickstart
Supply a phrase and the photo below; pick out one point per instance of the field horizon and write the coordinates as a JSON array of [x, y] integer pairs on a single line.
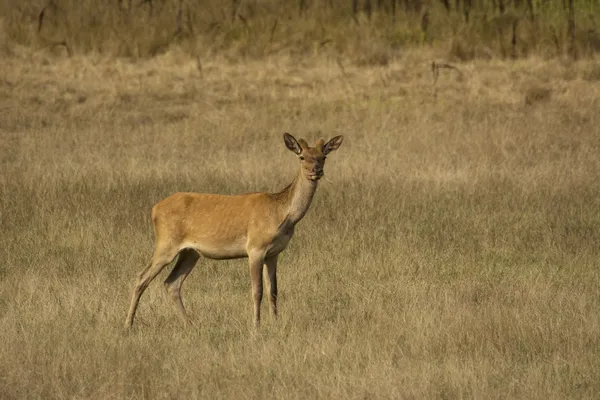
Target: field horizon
[[450, 252]]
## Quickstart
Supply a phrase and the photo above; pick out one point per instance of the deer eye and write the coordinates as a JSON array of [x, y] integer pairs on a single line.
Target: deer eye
[[301, 158]]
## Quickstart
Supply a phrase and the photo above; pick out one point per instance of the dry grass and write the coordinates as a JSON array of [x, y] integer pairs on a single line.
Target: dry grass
[[453, 254]]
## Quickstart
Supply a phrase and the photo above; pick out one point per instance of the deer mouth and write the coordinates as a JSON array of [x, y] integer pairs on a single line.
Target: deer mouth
[[315, 177]]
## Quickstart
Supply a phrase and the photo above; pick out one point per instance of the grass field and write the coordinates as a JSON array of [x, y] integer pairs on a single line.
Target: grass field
[[452, 252]]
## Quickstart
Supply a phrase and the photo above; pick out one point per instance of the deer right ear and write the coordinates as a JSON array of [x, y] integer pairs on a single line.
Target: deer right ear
[[291, 143], [333, 144]]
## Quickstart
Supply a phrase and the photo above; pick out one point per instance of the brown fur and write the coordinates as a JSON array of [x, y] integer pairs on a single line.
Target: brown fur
[[258, 226]]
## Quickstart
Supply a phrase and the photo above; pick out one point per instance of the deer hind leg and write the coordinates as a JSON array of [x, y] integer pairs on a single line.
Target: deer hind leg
[[161, 259], [271, 267], [185, 264]]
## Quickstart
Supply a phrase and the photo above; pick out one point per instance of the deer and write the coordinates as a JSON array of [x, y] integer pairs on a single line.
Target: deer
[[257, 226]]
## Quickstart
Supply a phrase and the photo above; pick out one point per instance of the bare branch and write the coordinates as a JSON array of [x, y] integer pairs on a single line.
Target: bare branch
[[41, 18], [199, 66], [324, 42], [42, 14], [235, 6], [273, 28], [435, 70], [179, 28], [241, 17]]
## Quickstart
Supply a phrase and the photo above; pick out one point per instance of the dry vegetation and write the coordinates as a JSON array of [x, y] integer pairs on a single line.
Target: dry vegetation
[[453, 253], [369, 32]]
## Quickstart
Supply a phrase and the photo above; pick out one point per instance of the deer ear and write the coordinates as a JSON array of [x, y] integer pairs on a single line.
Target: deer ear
[[333, 144], [291, 143], [320, 144]]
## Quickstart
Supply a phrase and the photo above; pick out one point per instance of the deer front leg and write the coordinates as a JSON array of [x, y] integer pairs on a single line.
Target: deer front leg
[[271, 264], [256, 267]]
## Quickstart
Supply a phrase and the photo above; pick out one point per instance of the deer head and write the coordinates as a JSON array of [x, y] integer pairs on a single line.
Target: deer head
[[312, 159]]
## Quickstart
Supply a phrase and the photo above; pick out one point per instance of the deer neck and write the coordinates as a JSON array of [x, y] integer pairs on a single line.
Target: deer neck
[[298, 198]]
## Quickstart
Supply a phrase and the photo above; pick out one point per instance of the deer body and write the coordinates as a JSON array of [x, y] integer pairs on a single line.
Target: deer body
[[254, 221], [257, 226]]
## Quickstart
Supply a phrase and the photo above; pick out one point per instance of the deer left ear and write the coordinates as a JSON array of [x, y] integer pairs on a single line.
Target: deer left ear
[[333, 144], [291, 143]]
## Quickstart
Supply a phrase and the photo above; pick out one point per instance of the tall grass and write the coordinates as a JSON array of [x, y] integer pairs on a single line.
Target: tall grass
[[452, 252]]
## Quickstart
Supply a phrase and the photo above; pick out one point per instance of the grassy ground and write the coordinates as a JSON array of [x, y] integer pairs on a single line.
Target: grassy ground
[[452, 253]]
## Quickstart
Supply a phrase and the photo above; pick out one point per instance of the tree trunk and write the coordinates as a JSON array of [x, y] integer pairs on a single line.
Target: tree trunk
[[530, 8], [368, 8], [571, 28], [467, 9], [301, 7], [446, 4]]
